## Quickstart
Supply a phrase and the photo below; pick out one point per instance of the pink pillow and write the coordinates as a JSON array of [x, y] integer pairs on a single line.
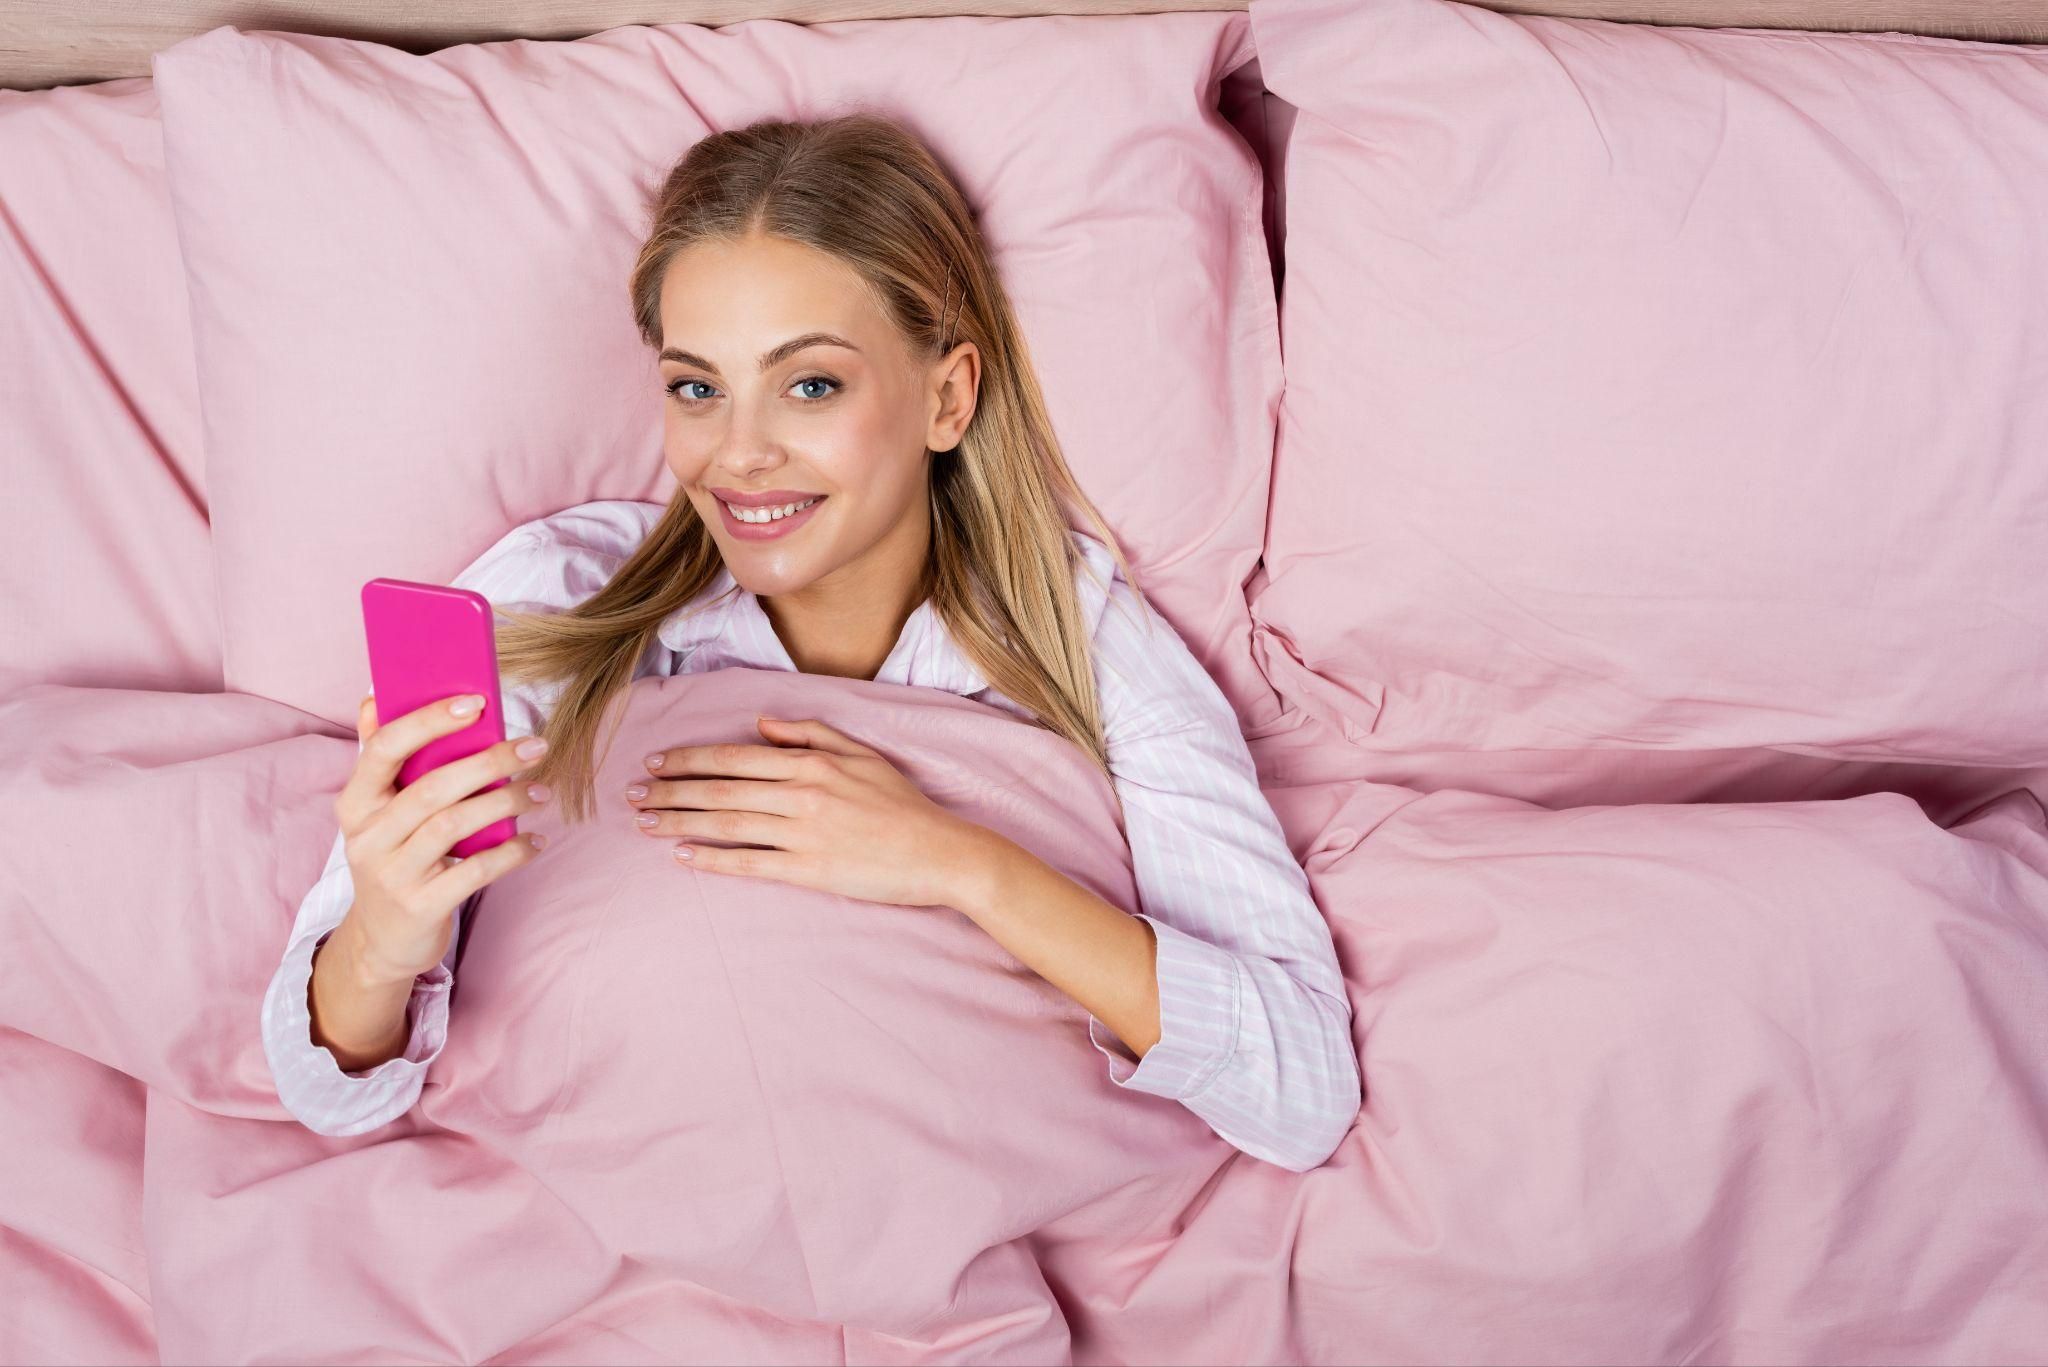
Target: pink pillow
[[106, 577], [408, 280], [1659, 387]]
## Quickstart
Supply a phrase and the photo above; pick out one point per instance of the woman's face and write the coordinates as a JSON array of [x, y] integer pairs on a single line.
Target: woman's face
[[851, 421]]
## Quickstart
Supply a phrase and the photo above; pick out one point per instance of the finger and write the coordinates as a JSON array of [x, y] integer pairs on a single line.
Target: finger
[[776, 797], [346, 812], [358, 801], [376, 774], [434, 836], [443, 789], [779, 865], [461, 878], [743, 761], [751, 828], [814, 733], [444, 785]]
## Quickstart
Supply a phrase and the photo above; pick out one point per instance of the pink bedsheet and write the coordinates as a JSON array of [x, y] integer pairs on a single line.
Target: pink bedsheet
[[1737, 1082]]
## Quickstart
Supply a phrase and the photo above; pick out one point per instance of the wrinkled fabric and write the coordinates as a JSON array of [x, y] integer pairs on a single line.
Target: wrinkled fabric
[[1744, 1081]]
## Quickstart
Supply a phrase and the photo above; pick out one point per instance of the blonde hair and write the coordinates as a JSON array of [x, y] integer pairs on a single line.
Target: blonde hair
[[1002, 566]]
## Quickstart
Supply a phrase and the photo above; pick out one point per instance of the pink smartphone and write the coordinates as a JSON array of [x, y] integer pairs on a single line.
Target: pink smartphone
[[430, 642]]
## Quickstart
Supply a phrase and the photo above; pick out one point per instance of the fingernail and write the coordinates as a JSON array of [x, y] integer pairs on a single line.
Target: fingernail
[[654, 761], [683, 852], [533, 747], [637, 791], [646, 819], [537, 791], [462, 707]]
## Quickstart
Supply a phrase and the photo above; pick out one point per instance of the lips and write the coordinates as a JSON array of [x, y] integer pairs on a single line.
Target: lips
[[798, 505], [765, 498], [772, 530]]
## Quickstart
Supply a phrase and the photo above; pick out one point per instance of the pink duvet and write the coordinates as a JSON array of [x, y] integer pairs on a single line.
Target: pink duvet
[[1741, 1082]]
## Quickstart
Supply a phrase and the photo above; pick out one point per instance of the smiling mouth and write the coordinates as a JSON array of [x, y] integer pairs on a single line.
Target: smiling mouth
[[762, 517]]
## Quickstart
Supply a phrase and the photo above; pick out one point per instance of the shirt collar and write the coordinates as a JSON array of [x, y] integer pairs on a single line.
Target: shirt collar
[[734, 630]]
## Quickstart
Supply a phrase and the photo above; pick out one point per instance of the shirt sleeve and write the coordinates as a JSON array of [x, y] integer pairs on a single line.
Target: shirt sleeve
[[310, 1080], [1255, 1023], [549, 564]]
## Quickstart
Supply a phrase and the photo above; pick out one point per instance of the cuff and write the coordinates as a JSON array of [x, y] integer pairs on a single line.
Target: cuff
[[309, 1079], [426, 1014], [1200, 1006]]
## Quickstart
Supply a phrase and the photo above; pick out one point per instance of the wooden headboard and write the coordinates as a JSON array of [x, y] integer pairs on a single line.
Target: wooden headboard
[[64, 42]]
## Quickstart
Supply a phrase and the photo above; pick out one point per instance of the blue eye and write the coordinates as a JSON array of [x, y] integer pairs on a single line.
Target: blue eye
[[675, 388]]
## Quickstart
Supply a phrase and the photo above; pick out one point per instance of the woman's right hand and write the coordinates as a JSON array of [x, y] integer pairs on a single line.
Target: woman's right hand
[[407, 885]]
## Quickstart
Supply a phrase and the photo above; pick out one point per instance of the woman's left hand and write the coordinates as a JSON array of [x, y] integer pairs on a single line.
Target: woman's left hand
[[834, 813]]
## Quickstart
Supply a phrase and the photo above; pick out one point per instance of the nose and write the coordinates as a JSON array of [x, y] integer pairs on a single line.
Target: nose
[[746, 451]]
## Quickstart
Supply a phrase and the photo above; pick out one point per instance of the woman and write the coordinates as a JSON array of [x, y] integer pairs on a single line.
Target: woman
[[834, 345]]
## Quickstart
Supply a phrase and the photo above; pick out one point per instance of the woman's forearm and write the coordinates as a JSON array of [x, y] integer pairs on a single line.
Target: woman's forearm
[[1095, 952], [360, 1021]]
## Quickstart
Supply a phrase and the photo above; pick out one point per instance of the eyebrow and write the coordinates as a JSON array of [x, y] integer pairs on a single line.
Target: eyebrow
[[769, 358]]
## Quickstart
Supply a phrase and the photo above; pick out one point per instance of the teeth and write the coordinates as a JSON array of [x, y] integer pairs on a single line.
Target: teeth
[[769, 514]]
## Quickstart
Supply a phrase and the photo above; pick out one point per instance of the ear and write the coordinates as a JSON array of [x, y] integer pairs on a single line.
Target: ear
[[955, 398]]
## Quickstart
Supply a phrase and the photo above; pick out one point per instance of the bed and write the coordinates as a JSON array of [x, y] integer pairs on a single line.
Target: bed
[[1624, 499]]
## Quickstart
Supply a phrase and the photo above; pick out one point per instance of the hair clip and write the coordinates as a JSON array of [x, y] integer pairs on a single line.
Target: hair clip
[[945, 313]]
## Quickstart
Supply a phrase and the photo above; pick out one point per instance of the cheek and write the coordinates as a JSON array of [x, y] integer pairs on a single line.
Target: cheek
[[680, 446], [863, 448]]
